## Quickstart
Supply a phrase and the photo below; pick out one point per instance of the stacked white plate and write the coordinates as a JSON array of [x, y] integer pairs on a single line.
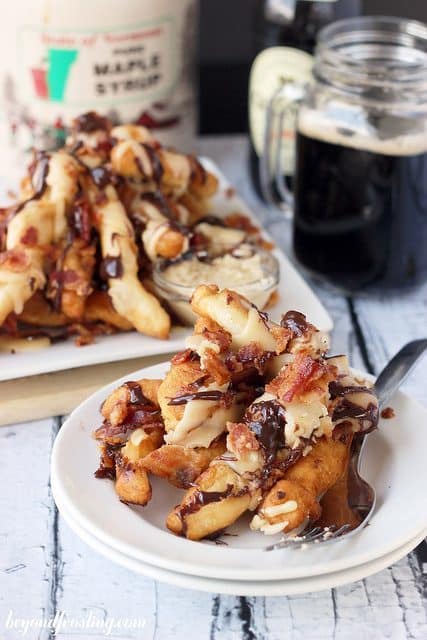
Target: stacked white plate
[[394, 463]]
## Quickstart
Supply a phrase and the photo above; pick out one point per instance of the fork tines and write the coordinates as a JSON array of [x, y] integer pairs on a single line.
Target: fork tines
[[315, 535]]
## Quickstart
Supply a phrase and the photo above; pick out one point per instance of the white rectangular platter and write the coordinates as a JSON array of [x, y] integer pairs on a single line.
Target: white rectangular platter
[[294, 293]]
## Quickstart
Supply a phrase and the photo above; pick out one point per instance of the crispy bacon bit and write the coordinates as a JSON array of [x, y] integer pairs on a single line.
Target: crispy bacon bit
[[254, 355], [268, 246], [240, 221], [15, 260], [184, 356], [83, 340], [107, 467], [30, 237], [216, 367], [135, 418], [221, 338], [66, 276], [241, 439], [282, 336], [100, 198], [387, 413], [302, 375]]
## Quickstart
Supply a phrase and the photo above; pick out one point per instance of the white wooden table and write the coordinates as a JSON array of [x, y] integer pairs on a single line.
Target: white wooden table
[[45, 568]]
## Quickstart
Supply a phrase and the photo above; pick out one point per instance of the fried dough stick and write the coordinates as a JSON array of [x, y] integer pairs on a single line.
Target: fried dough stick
[[219, 498], [76, 264], [195, 409], [231, 485], [39, 313], [40, 221], [295, 498], [162, 236], [235, 315], [132, 407], [77, 268], [179, 465], [129, 297], [99, 308], [138, 156]]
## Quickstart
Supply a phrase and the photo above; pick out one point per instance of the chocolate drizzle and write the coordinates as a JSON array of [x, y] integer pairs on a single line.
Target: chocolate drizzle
[[156, 165], [198, 171], [79, 220], [212, 220], [101, 177], [135, 393], [337, 390], [111, 267], [200, 499], [158, 200], [38, 178], [212, 395], [267, 420], [295, 321], [347, 410]]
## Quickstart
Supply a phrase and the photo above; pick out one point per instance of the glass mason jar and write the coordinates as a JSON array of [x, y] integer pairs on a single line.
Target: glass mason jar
[[360, 194]]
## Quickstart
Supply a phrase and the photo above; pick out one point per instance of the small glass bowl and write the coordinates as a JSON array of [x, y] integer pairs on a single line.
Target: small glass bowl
[[177, 296]]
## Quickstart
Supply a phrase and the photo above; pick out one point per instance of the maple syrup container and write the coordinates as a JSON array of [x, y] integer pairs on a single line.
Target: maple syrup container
[[133, 61]]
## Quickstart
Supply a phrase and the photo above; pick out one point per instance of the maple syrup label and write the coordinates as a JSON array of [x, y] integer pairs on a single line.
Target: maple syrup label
[[88, 69], [282, 73]]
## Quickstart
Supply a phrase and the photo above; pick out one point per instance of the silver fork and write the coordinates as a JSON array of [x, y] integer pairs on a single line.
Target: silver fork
[[363, 494]]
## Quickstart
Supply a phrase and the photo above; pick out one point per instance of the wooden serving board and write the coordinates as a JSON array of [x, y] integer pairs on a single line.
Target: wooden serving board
[[58, 393]]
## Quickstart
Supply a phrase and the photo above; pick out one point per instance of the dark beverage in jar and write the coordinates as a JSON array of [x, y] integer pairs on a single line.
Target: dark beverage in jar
[[360, 214], [360, 194]]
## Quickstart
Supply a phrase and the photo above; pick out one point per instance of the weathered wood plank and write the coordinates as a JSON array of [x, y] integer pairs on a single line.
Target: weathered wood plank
[[91, 587], [26, 521], [387, 323]]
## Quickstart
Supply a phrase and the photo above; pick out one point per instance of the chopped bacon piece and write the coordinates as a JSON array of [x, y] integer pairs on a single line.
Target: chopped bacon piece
[[240, 221], [220, 338], [282, 335], [15, 260], [183, 356], [30, 237], [254, 355], [387, 413], [241, 439], [302, 375], [216, 367]]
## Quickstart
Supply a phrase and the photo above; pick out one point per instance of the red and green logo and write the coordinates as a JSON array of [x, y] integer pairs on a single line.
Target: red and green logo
[[50, 81]]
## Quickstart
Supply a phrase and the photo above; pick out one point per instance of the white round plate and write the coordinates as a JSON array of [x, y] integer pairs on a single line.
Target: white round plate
[[393, 462], [243, 587]]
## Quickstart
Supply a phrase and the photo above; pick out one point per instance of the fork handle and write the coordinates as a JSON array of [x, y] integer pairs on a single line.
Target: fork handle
[[398, 369]]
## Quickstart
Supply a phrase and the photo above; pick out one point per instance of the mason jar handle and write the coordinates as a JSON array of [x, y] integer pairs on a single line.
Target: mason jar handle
[[273, 176]]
